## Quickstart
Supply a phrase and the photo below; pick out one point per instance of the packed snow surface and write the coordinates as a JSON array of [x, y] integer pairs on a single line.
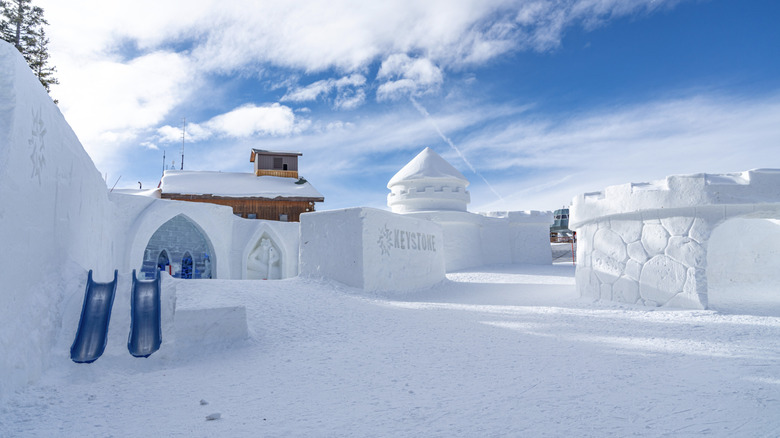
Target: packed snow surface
[[235, 184], [502, 351]]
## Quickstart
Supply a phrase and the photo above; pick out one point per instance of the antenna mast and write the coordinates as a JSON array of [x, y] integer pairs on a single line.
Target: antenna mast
[[183, 133]]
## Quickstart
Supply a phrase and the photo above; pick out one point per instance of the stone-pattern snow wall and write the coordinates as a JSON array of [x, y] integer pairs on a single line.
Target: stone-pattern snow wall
[[646, 243]]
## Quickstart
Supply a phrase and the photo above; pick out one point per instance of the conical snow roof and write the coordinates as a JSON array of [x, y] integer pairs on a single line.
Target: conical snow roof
[[427, 165]]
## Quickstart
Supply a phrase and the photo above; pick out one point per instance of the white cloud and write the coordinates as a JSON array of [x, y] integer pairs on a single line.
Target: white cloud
[[242, 122], [350, 100], [125, 66], [108, 102], [312, 35], [406, 76], [251, 120]]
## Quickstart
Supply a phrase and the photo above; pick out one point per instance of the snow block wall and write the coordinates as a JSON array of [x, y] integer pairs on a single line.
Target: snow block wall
[[371, 249], [472, 240], [646, 243], [527, 236], [55, 198]]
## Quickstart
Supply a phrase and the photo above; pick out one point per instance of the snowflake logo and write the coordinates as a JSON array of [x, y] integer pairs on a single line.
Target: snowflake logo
[[385, 240], [37, 156]]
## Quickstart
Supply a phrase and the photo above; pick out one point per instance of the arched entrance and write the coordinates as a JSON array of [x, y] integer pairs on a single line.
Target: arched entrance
[[163, 262], [181, 244], [743, 267]]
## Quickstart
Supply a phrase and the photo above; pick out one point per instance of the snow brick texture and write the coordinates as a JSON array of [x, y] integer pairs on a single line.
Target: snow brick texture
[[646, 243]]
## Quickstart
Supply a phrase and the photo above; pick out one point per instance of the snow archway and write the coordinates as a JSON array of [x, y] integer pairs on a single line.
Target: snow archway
[[743, 266], [186, 246]]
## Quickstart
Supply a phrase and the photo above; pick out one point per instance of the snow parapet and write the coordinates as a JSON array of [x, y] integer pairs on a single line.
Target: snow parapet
[[758, 186]]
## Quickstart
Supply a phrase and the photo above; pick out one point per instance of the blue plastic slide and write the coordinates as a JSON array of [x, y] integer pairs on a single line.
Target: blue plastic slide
[[92, 334], [145, 327]]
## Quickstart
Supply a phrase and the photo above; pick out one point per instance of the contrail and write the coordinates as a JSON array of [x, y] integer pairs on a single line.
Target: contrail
[[425, 114]]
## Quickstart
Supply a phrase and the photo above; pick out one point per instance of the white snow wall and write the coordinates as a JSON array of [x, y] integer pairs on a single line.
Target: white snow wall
[[371, 249], [53, 211], [646, 243], [472, 240]]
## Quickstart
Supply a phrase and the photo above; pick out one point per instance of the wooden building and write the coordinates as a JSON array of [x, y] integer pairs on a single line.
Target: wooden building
[[273, 192], [284, 164]]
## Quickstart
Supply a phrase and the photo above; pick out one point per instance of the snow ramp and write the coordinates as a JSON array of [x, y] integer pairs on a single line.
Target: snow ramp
[[145, 321], [92, 333]]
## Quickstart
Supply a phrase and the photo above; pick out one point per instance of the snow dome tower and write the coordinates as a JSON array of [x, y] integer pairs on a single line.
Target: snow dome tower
[[428, 183]]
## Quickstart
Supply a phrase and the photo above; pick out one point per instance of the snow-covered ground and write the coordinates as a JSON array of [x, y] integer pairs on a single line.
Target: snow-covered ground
[[502, 351]]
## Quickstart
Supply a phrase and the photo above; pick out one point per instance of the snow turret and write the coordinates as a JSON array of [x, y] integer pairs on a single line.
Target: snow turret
[[428, 183]]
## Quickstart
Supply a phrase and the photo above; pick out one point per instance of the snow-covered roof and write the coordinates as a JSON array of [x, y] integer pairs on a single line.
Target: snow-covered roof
[[152, 193], [235, 185], [427, 165]]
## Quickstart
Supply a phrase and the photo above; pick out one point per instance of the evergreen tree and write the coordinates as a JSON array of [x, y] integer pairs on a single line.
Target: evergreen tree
[[39, 61], [22, 25]]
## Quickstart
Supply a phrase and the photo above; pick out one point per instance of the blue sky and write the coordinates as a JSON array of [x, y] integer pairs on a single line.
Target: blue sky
[[533, 101]]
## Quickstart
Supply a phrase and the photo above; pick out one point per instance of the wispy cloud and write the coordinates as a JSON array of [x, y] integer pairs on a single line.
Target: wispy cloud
[[349, 91], [558, 158], [538, 161]]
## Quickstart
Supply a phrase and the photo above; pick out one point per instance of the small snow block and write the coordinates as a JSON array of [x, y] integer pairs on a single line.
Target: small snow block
[[214, 416]]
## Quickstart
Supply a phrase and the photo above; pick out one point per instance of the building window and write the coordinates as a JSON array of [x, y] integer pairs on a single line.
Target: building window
[[283, 217], [251, 216]]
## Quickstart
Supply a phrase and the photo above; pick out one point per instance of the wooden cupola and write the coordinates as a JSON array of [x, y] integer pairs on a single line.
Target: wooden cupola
[[271, 163]]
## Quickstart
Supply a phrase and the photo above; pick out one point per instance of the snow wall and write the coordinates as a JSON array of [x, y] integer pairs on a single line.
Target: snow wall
[[647, 243], [372, 249], [54, 209], [472, 240]]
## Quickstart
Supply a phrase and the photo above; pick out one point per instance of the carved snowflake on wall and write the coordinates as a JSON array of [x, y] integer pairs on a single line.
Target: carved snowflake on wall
[[37, 156], [385, 240]]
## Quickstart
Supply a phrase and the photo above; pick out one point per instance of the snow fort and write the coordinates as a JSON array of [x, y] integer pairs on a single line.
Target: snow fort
[[684, 241]]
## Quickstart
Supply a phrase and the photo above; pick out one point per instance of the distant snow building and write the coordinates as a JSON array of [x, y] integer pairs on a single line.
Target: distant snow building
[[273, 192], [427, 183], [428, 187]]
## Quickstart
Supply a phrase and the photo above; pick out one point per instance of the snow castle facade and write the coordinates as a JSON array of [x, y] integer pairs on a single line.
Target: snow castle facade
[[57, 200]]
